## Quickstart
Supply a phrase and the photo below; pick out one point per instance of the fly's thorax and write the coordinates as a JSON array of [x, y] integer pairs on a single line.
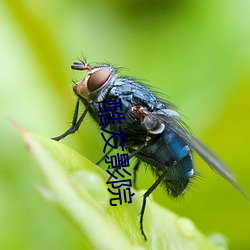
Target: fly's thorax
[[95, 84]]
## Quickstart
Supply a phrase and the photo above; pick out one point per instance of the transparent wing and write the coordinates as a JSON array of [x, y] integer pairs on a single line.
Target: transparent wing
[[208, 156], [175, 124]]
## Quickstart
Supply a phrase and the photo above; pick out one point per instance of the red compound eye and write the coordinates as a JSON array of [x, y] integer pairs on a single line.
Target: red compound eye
[[97, 79]]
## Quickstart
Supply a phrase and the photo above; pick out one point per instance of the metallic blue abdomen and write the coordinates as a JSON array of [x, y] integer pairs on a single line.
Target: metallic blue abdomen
[[170, 154]]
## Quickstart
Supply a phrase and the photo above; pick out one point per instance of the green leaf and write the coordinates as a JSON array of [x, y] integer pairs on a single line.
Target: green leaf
[[78, 189]]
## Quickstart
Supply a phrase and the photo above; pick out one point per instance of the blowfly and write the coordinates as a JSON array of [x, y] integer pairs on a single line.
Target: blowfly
[[155, 133]]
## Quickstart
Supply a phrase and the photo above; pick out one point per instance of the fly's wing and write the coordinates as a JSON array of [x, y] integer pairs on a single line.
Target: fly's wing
[[175, 124], [212, 160]]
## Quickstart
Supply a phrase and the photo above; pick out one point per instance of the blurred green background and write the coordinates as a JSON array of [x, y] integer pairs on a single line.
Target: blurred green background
[[196, 52]]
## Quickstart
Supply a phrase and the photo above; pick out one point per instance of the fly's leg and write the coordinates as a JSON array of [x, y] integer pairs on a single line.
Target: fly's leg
[[132, 154], [112, 174], [138, 163], [145, 196], [104, 156], [75, 124]]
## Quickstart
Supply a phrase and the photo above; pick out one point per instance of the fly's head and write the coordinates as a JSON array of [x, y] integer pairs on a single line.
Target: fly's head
[[93, 85]]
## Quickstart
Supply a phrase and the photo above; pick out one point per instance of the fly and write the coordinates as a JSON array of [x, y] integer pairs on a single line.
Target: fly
[[155, 133]]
